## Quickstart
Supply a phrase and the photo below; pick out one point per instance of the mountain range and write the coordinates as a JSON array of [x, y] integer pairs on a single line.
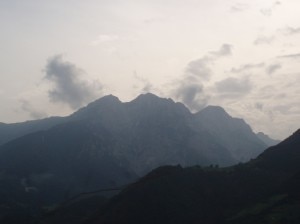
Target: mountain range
[[109, 143]]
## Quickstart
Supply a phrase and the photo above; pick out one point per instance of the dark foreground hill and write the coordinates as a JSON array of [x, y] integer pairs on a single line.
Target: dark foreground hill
[[265, 190]]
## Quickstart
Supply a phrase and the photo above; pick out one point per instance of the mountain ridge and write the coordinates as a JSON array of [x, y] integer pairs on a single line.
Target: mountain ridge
[[105, 144]]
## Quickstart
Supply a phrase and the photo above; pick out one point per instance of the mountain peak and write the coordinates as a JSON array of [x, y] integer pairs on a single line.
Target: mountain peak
[[215, 111], [92, 109], [215, 108], [266, 139], [108, 99], [151, 100], [148, 96]]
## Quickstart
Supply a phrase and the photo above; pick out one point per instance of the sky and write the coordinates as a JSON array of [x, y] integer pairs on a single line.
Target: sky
[[57, 56]]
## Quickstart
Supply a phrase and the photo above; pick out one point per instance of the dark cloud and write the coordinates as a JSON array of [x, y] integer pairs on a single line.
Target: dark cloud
[[190, 88], [247, 67], [290, 56], [234, 87], [68, 87], [273, 68], [33, 113], [264, 40]]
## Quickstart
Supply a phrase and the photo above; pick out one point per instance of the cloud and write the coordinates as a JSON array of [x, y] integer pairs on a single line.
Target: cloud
[[192, 95], [239, 7], [33, 113], [266, 11], [264, 40], [225, 50], [247, 67], [234, 87], [259, 106], [199, 68], [273, 68], [290, 30], [290, 56], [269, 11], [189, 89], [68, 87], [147, 86]]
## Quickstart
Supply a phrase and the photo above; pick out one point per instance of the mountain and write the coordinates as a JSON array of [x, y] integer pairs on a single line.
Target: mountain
[[264, 190], [103, 145], [110, 112], [233, 133], [266, 139]]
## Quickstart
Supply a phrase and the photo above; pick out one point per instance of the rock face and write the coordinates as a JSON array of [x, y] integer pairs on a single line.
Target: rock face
[[109, 143]]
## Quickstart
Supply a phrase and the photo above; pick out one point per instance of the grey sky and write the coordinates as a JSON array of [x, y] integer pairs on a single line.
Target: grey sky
[[241, 55]]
